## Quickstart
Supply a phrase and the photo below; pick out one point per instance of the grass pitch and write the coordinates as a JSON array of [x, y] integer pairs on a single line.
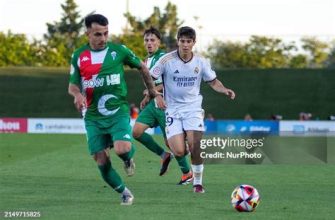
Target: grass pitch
[[54, 174]]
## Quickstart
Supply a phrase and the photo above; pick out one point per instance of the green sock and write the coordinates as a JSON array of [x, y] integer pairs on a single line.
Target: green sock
[[183, 164], [150, 143], [111, 177], [127, 156]]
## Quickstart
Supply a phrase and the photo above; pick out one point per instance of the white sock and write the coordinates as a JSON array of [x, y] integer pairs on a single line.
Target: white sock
[[126, 191], [197, 174]]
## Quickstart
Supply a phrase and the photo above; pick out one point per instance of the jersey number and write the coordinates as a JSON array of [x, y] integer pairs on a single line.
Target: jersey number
[[169, 121]]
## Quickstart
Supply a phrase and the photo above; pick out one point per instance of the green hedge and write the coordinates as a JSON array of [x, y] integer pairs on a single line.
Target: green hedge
[[42, 92]]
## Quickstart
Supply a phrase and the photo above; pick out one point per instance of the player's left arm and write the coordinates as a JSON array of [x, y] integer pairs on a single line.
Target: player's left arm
[[133, 61], [150, 86], [149, 83], [209, 76], [219, 87]]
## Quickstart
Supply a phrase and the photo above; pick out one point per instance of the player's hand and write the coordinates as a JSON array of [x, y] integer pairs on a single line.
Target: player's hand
[[160, 102], [144, 102], [145, 92], [230, 93], [80, 102]]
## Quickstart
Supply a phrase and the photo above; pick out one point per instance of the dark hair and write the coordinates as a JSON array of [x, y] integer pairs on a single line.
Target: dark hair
[[95, 18], [186, 32], [154, 31]]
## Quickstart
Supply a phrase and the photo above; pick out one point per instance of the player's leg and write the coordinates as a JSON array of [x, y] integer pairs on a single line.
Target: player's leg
[[145, 120], [124, 148], [176, 141], [182, 160], [159, 116], [98, 143], [112, 178], [193, 139], [122, 141], [194, 126], [149, 117], [107, 171], [146, 139]]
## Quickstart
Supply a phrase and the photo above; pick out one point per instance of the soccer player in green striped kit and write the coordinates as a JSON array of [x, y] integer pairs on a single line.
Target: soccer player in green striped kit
[[99, 89], [151, 116]]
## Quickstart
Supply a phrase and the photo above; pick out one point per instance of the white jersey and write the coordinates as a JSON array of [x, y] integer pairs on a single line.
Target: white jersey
[[182, 80]]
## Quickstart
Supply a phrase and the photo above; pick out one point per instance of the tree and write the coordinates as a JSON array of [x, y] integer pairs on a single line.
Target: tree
[[64, 36], [318, 51], [16, 50], [298, 61], [331, 58], [258, 52], [167, 23], [265, 52], [227, 54]]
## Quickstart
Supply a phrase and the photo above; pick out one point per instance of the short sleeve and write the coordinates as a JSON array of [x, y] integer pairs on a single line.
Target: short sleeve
[[74, 71], [131, 59], [208, 74], [157, 70]]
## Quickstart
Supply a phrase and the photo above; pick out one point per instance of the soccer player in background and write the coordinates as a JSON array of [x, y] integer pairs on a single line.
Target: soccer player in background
[[151, 116], [182, 72], [99, 89]]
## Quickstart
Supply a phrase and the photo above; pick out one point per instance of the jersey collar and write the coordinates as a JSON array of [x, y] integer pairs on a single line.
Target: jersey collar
[[156, 53], [91, 49], [184, 60]]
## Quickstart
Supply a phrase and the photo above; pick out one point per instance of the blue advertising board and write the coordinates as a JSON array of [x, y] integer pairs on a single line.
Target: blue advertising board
[[238, 127], [247, 127]]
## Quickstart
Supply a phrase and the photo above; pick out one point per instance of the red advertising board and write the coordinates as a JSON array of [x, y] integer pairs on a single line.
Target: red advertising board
[[13, 125]]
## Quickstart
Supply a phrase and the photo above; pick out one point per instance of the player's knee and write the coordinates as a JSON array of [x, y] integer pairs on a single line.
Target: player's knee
[[101, 157], [137, 132], [122, 147], [179, 152]]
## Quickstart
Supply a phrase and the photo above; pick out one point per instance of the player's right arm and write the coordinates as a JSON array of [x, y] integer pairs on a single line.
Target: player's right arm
[[158, 88], [74, 85], [144, 102], [146, 98], [79, 99]]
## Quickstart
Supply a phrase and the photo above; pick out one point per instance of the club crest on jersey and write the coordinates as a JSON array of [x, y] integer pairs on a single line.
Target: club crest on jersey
[[113, 53], [196, 70]]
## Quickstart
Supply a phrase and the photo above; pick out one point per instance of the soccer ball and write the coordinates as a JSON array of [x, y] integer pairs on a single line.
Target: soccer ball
[[245, 198]]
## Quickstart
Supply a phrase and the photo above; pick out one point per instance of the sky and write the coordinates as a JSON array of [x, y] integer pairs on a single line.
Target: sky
[[234, 20]]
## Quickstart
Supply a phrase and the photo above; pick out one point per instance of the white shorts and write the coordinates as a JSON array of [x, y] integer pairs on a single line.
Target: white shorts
[[177, 122]]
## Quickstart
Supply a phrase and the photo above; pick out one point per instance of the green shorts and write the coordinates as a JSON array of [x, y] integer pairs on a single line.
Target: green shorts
[[101, 134], [152, 116]]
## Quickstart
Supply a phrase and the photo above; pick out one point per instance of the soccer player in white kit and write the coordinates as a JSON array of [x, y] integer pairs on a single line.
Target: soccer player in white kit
[[182, 72]]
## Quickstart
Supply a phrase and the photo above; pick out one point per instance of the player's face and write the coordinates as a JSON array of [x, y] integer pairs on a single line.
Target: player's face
[[151, 43], [97, 36], [185, 45]]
